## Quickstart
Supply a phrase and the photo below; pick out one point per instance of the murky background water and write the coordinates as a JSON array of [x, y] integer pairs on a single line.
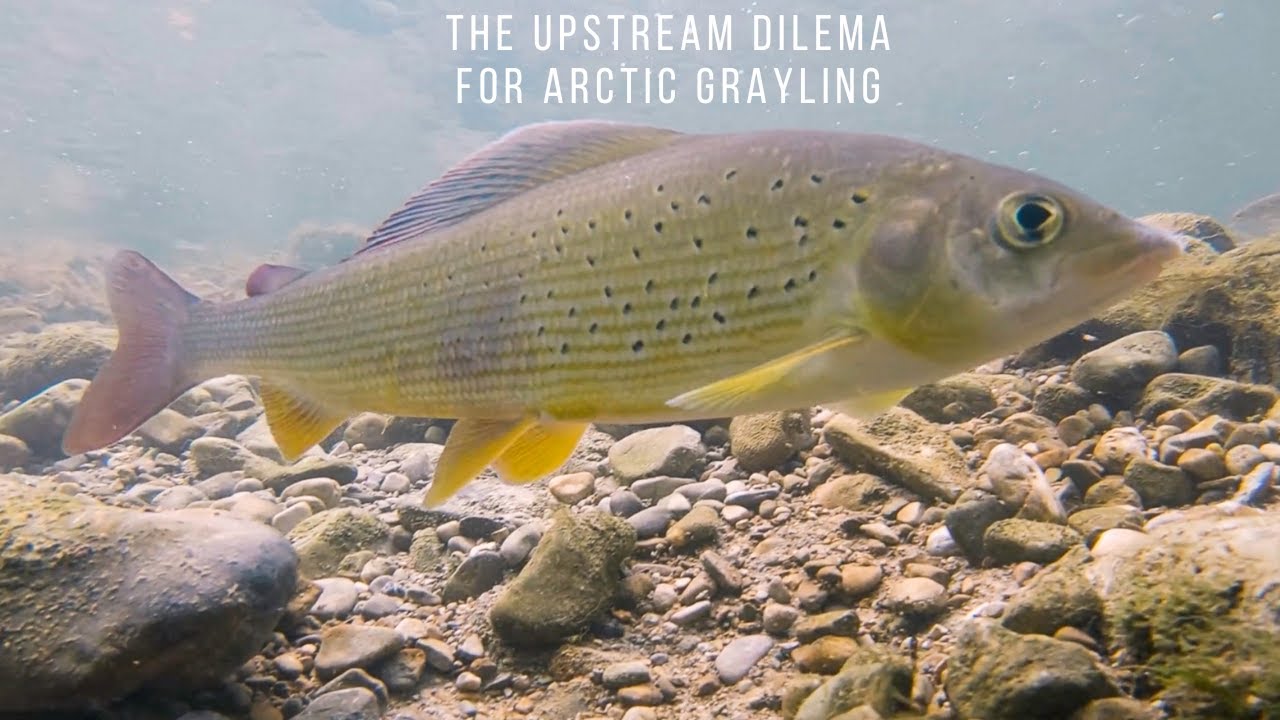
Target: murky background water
[[230, 124]]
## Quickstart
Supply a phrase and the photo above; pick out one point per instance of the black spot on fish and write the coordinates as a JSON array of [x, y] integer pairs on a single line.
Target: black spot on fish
[[658, 189], [637, 346], [813, 275], [484, 247], [815, 179], [858, 197], [591, 224], [675, 206], [449, 277], [559, 249], [675, 303], [661, 325], [564, 229], [626, 308], [626, 215], [800, 222], [523, 298], [802, 240], [551, 293], [777, 184], [837, 224], [564, 348], [730, 175], [542, 329], [648, 286], [573, 311], [704, 200], [686, 339], [711, 279], [697, 243], [752, 292], [591, 262], [752, 234], [533, 235], [789, 285], [594, 327], [559, 212], [696, 301], [719, 317], [608, 291], [635, 253], [657, 227]]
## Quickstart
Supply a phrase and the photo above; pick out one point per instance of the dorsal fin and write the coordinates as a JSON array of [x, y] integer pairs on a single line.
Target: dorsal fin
[[520, 160], [269, 278]]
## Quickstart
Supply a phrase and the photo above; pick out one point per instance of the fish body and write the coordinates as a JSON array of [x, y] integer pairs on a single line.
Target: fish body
[[587, 271]]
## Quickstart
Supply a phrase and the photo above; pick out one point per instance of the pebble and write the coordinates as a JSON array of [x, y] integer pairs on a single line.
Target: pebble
[[337, 599], [624, 503], [1202, 464], [621, 674], [916, 596], [572, 488], [700, 525], [740, 655], [694, 613], [343, 647], [650, 522], [778, 619], [939, 543], [520, 544], [858, 581]]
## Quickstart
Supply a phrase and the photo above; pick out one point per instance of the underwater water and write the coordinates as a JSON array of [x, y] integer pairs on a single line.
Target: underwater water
[[743, 416]]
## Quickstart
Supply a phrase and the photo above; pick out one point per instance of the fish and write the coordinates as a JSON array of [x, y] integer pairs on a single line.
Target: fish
[[1258, 219], [588, 271]]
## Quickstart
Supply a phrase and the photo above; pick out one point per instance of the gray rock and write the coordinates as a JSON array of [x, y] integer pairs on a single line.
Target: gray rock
[[92, 596], [520, 543], [996, 674], [403, 671], [169, 431], [904, 448], [625, 673], [1018, 482], [475, 576], [367, 429], [290, 517], [438, 654], [219, 486], [968, 521], [916, 597], [41, 421], [337, 598], [343, 647], [326, 490], [177, 497], [656, 488], [671, 450], [953, 399], [1122, 368], [1118, 447], [650, 522], [740, 655], [350, 704], [1058, 596], [1092, 522], [1201, 360], [624, 503], [572, 577]]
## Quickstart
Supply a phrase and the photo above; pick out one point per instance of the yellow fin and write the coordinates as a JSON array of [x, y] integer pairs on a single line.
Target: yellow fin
[[296, 422], [868, 406], [471, 446], [733, 394], [540, 451]]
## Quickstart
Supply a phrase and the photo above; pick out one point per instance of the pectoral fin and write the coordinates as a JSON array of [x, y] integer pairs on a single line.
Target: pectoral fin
[[540, 451], [746, 390], [471, 447], [296, 422], [867, 406]]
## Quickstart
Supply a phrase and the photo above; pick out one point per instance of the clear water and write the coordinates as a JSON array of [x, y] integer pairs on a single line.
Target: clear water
[[229, 124]]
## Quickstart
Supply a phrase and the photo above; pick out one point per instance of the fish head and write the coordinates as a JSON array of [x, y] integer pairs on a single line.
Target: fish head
[[965, 261]]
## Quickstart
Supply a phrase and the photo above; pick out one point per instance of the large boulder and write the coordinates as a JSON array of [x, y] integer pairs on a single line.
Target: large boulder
[[97, 602]]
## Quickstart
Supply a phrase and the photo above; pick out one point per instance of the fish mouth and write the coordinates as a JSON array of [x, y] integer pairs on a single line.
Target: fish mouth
[[1134, 261]]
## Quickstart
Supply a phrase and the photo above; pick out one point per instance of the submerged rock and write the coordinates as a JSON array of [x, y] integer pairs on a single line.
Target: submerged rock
[[41, 421], [1206, 396], [670, 450], [765, 441], [571, 578], [952, 399], [60, 352], [871, 676], [996, 674], [97, 602], [900, 446], [324, 539], [1197, 606], [1122, 368]]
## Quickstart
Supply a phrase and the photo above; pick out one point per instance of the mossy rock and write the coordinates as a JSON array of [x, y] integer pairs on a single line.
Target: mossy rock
[[324, 539]]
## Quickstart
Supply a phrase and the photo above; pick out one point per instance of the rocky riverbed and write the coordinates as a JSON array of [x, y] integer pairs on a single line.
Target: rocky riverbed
[[1089, 530]]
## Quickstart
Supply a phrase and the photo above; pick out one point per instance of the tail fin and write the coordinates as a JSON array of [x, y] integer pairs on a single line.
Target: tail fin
[[147, 371]]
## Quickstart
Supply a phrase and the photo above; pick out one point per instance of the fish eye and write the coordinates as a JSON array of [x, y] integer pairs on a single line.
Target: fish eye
[[1028, 220]]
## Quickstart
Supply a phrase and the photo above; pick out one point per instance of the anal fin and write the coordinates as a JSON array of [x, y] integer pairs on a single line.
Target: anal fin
[[296, 422], [540, 451], [472, 445], [740, 392], [868, 406]]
